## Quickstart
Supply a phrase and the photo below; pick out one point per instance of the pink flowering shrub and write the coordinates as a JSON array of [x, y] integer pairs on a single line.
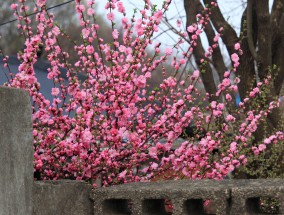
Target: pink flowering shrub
[[110, 125]]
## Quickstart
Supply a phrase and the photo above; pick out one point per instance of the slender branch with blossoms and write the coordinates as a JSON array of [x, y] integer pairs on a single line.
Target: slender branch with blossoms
[[109, 126]]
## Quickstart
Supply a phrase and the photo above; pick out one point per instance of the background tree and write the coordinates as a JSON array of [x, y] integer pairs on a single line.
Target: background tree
[[262, 45], [9, 31]]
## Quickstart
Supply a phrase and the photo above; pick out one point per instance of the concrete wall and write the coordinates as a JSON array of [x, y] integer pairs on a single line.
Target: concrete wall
[[64, 197], [229, 197], [16, 152]]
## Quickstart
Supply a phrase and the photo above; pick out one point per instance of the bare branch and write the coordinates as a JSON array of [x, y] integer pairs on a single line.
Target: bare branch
[[246, 69], [198, 51], [249, 29], [263, 38], [229, 35], [277, 43], [217, 58], [278, 59]]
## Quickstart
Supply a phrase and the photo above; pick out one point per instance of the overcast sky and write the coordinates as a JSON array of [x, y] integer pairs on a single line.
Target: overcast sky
[[232, 10]]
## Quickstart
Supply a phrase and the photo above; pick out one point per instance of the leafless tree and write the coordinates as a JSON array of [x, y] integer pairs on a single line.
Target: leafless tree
[[262, 42]]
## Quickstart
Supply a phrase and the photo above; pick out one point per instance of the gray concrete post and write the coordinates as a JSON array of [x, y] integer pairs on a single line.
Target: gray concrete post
[[63, 197], [16, 152]]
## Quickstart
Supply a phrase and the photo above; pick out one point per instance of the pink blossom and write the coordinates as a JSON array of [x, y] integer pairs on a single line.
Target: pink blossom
[[230, 118], [228, 97], [90, 11], [154, 165], [14, 6], [85, 32], [267, 141], [191, 28], [170, 82], [141, 81], [196, 74], [252, 94], [235, 58], [237, 80], [237, 46], [216, 38], [56, 31], [120, 7], [80, 8], [90, 49], [115, 34], [153, 152], [226, 74], [182, 61], [168, 51], [261, 147], [122, 174], [213, 104], [87, 135], [110, 16], [256, 90], [226, 82], [54, 91], [220, 106], [124, 22], [158, 16], [255, 150], [90, 2], [246, 100]]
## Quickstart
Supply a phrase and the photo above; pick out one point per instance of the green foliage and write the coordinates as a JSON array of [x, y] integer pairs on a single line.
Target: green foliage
[[270, 162], [269, 205]]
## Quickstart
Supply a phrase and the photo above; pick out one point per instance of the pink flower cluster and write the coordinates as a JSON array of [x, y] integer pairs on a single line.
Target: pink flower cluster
[[110, 125]]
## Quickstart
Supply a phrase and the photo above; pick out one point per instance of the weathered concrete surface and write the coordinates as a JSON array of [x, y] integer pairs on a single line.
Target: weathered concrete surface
[[148, 198], [63, 197], [16, 152], [231, 197], [245, 195]]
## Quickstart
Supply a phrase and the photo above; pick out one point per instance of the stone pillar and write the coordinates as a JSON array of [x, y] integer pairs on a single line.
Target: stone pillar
[[16, 152]]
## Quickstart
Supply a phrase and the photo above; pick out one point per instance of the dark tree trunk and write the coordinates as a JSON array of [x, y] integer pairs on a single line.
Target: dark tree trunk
[[262, 42], [198, 51]]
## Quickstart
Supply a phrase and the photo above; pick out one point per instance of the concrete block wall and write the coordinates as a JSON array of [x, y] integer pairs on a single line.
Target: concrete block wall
[[231, 197], [245, 195]]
